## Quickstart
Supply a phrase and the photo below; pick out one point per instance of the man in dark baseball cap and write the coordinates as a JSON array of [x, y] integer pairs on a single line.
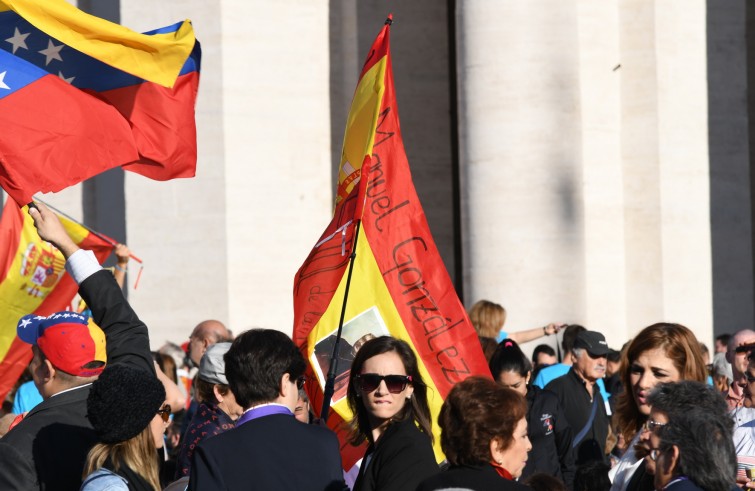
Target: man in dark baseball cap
[[594, 342], [578, 394]]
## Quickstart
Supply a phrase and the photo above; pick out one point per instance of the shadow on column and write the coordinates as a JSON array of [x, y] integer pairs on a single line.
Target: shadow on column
[[731, 105]]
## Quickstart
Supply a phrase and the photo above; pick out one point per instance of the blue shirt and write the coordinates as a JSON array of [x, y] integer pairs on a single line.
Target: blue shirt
[[27, 396], [501, 336]]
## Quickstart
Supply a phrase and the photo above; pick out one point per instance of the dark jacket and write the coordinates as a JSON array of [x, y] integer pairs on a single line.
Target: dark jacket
[[683, 485], [48, 449], [577, 403], [271, 452], [209, 420], [550, 435], [482, 478], [402, 458]]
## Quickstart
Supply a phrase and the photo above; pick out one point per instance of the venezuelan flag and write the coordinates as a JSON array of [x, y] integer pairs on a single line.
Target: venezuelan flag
[[400, 286], [32, 280], [80, 95]]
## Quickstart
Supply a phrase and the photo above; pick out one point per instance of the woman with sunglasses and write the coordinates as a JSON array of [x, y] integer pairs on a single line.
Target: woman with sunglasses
[[548, 430], [660, 353], [127, 409], [388, 399]]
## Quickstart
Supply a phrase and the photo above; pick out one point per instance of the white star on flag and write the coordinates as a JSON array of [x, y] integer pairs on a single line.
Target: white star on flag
[[52, 52], [25, 323], [18, 40], [2, 81], [62, 77], [66, 315]]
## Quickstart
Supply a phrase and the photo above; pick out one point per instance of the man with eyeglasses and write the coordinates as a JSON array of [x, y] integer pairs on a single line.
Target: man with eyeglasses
[[269, 448], [688, 434], [584, 406], [48, 448]]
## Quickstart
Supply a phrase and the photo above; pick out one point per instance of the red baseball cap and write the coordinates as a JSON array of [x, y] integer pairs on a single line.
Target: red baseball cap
[[71, 341]]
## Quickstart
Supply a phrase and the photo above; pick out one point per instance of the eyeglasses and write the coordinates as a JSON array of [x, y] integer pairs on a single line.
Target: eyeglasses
[[654, 453], [300, 382], [164, 413], [371, 381], [651, 426]]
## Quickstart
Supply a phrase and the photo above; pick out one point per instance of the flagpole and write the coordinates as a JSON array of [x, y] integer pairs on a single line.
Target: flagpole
[[331, 381], [93, 232]]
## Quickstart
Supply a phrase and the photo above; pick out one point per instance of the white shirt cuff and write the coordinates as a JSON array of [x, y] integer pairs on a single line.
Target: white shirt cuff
[[81, 265]]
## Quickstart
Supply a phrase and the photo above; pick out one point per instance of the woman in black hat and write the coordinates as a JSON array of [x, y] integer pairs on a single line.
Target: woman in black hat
[[127, 409]]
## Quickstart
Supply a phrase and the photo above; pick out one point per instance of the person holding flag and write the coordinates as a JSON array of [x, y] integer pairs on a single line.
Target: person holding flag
[[389, 400], [69, 354]]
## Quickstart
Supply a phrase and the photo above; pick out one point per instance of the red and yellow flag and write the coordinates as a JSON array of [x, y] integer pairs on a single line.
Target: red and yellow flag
[[400, 286], [32, 280]]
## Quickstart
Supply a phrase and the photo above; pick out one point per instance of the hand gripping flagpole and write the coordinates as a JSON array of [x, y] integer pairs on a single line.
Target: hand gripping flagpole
[[104, 238], [330, 383]]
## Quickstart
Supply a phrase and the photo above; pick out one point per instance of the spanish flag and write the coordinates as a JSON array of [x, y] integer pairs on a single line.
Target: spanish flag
[[33, 280], [399, 285], [80, 95]]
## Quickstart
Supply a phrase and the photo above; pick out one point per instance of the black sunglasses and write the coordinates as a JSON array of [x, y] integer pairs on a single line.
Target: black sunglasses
[[368, 382], [164, 413]]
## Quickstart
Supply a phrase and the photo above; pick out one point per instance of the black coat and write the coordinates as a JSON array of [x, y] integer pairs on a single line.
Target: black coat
[[550, 435], [482, 478], [48, 449], [271, 452], [402, 458], [575, 399]]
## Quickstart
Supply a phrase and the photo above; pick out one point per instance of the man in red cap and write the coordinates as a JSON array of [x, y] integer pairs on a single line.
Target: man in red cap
[[48, 448]]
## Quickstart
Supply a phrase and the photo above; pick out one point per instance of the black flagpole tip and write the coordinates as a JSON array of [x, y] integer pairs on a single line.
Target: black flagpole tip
[[389, 20]]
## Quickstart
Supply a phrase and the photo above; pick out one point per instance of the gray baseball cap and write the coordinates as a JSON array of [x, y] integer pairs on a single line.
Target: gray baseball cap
[[212, 366]]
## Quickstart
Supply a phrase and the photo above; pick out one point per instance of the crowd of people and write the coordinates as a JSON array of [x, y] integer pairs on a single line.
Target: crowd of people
[[100, 411]]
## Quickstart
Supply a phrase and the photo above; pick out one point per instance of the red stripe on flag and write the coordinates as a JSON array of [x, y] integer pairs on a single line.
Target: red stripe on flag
[[55, 135], [163, 125], [13, 365], [11, 224]]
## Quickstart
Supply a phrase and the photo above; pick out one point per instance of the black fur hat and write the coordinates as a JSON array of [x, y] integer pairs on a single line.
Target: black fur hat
[[122, 402]]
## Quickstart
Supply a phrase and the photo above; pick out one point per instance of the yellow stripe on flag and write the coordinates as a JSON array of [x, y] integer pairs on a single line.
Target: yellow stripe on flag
[[360, 127], [34, 272], [371, 310], [157, 58]]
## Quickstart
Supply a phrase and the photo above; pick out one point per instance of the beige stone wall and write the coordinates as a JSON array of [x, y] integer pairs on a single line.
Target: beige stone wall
[[585, 160]]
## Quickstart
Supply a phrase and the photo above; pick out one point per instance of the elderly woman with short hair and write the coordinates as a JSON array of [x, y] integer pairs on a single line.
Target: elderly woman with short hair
[[484, 436]]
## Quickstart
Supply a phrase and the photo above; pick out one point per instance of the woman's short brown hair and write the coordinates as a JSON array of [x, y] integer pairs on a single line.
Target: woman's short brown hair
[[476, 411]]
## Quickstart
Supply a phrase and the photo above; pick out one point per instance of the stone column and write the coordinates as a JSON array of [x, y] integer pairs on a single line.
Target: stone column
[[520, 132]]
